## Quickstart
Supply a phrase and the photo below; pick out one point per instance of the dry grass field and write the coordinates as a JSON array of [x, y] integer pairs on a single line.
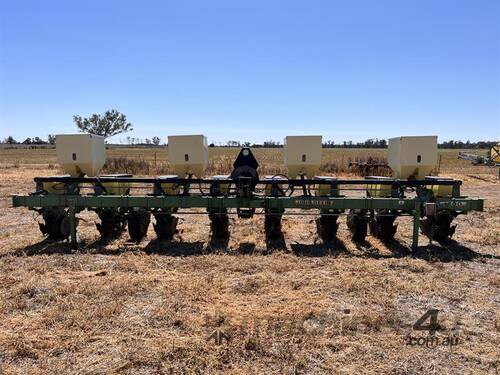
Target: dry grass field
[[148, 308], [221, 159]]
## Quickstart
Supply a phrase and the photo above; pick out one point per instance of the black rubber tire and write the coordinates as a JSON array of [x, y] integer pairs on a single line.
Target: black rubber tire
[[219, 226], [358, 225], [56, 223], [272, 225], [383, 228], [438, 228], [165, 226], [112, 223], [65, 227], [138, 223], [327, 227]]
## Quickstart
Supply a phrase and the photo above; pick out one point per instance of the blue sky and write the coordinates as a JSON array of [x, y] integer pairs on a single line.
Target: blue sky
[[253, 70]]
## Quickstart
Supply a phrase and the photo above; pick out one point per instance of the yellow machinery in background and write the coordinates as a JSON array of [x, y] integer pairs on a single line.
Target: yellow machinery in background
[[491, 160], [495, 154]]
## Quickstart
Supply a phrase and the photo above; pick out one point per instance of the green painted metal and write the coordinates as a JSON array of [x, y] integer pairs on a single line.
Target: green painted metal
[[72, 225], [408, 206], [416, 226], [342, 203]]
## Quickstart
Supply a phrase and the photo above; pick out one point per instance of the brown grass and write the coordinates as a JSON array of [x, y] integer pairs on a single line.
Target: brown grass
[[221, 159], [148, 308], [121, 164]]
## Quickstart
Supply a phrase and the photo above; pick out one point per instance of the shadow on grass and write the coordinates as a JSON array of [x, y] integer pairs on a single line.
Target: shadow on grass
[[218, 244], [52, 247], [174, 248], [275, 243], [246, 248], [397, 249], [45, 247], [447, 251], [333, 248]]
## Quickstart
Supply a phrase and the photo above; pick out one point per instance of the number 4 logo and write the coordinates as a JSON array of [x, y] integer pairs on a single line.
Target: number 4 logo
[[432, 327]]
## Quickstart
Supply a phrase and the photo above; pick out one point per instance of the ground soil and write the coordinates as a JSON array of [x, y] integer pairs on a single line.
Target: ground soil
[[187, 306]]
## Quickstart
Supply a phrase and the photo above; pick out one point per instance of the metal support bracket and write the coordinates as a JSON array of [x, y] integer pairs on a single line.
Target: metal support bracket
[[72, 223], [416, 225]]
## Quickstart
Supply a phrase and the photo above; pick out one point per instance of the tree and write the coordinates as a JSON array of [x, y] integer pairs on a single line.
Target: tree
[[38, 141], [156, 141], [271, 143], [233, 144], [107, 125], [27, 141], [10, 140], [51, 138]]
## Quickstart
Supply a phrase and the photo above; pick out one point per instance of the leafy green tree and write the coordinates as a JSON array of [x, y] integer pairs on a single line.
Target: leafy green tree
[[10, 140], [38, 141], [110, 123]]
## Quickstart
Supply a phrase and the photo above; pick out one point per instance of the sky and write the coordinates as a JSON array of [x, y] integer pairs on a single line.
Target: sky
[[253, 70]]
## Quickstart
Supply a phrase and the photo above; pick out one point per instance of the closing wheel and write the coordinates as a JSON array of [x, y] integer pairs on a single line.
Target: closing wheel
[[327, 226], [382, 227], [65, 227], [56, 223], [165, 226], [357, 224], [272, 225], [219, 225], [438, 227], [138, 221], [112, 223]]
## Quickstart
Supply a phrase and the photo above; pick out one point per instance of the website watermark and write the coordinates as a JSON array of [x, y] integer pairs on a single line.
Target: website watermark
[[429, 323], [426, 331], [432, 341]]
